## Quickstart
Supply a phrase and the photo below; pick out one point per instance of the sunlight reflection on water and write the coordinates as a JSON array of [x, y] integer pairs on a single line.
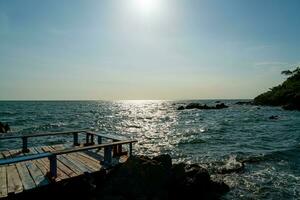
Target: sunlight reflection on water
[[213, 138]]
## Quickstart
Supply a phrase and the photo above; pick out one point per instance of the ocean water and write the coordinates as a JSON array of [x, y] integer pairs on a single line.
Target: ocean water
[[216, 139]]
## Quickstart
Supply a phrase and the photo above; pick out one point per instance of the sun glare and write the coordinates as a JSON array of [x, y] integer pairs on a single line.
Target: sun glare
[[146, 7]]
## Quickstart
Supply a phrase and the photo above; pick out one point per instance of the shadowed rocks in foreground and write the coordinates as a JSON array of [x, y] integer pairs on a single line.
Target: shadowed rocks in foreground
[[139, 177], [145, 178], [202, 107]]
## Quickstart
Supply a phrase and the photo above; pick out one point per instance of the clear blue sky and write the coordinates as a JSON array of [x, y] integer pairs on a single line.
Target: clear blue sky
[[145, 49]]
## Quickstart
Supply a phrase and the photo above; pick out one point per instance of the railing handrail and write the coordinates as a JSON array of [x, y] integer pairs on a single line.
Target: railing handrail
[[52, 156], [60, 152], [108, 136], [41, 134], [97, 146]]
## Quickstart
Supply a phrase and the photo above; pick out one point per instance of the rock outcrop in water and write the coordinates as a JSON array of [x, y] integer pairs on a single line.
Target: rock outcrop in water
[[244, 103], [203, 107], [286, 95], [145, 178], [4, 128]]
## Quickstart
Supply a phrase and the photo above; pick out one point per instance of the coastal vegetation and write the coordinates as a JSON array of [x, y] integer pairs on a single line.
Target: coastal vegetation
[[286, 94]]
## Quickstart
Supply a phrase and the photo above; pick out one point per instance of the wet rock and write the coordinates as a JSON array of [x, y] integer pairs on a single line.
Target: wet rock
[[180, 108], [192, 181], [4, 128], [221, 106], [274, 117], [165, 160], [203, 107], [139, 178], [145, 178], [244, 103], [291, 106], [193, 106]]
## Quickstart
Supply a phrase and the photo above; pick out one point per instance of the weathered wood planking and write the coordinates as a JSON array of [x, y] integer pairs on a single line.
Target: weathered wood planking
[[3, 182], [26, 175], [14, 183], [73, 164]]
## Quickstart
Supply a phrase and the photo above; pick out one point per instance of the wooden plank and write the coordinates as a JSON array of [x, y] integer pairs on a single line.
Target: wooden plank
[[26, 179], [62, 166], [90, 162], [14, 183], [37, 175], [90, 157], [73, 160], [44, 165], [68, 162], [3, 182], [93, 164], [86, 165]]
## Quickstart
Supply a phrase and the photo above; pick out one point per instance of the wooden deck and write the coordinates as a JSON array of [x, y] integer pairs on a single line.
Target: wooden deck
[[70, 160], [22, 176]]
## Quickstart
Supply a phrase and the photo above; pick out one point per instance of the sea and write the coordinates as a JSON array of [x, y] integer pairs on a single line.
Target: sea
[[258, 157]]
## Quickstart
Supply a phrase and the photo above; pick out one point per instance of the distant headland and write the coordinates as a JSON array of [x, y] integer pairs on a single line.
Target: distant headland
[[286, 94]]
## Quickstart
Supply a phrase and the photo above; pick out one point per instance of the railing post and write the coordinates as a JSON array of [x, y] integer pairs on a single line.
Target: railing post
[[99, 140], [107, 155], [115, 149], [130, 149], [120, 149], [75, 139], [25, 145], [92, 139], [87, 139], [53, 166]]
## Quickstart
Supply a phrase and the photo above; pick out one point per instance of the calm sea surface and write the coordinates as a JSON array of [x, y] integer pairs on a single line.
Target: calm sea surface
[[217, 139]]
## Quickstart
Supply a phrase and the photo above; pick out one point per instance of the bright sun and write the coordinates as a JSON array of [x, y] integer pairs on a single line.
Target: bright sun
[[147, 7]]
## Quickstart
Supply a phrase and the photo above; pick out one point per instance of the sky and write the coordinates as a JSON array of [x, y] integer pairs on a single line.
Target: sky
[[145, 49]]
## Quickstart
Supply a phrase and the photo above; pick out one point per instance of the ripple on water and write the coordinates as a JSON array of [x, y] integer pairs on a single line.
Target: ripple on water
[[214, 138]]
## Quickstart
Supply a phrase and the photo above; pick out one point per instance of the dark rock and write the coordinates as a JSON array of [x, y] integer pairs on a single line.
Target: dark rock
[[178, 171], [203, 107], [193, 106], [180, 108], [165, 160], [273, 117], [219, 187], [221, 106], [4, 128], [244, 103], [291, 106], [139, 178], [192, 181]]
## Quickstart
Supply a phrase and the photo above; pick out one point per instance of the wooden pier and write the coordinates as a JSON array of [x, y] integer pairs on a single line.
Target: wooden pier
[[29, 168]]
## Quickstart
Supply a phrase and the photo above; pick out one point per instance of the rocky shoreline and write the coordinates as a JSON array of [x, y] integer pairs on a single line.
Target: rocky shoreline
[[140, 177], [202, 107]]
